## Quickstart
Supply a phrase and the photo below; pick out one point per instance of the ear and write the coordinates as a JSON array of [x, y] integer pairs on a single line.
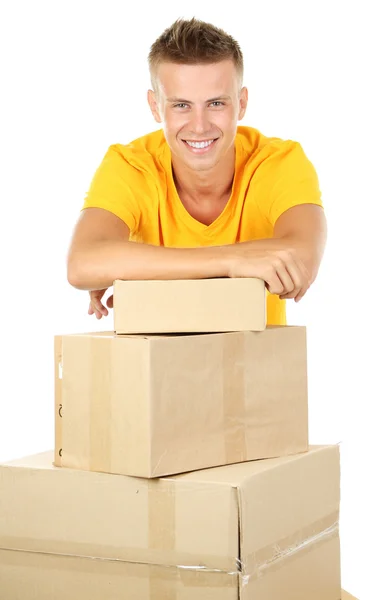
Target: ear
[[243, 103], [153, 104]]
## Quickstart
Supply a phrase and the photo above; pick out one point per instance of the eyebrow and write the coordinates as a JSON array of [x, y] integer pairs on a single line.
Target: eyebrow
[[175, 99]]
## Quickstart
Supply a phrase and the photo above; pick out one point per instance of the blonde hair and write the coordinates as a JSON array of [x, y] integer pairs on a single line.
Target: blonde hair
[[191, 42]]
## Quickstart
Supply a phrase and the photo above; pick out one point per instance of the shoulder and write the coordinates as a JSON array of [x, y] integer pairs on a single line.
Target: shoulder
[[260, 147], [280, 174], [141, 155], [128, 169], [271, 153]]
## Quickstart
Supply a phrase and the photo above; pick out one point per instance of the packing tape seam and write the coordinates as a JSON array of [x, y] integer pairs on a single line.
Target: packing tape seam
[[259, 569], [282, 555], [202, 568]]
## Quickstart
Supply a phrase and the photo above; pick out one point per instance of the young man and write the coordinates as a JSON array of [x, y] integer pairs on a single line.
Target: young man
[[202, 197]]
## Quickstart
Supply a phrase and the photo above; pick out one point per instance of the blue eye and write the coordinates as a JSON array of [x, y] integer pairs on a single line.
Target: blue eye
[[183, 104]]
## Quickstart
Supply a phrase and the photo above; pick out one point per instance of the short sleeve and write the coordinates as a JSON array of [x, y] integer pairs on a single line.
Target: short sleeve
[[117, 186], [295, 182]]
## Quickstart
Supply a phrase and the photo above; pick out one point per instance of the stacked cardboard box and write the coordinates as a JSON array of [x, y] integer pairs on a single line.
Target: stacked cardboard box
[[182, 468]]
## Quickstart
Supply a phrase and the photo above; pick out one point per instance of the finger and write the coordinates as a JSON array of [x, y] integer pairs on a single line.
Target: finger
[[297, 296], [299, 275], [98, 314], [302, 293], [96, 311], [291, 294], [306, 281], [295, 270], [98, 305], [109, 302], [287, 296], [274, 284], [286, 279], [91, 308]]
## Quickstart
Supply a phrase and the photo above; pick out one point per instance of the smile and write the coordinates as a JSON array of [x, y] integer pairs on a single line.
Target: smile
[[199, 147]]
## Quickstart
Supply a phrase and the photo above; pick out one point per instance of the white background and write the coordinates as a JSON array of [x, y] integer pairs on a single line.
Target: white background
[[74, 80]]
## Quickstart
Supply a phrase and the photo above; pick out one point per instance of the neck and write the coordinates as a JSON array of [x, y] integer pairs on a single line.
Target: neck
[[216, 182]]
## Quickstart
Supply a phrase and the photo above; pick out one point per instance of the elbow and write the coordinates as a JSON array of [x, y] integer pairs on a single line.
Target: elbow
[[85, 273], [74, 276], [77, 271]]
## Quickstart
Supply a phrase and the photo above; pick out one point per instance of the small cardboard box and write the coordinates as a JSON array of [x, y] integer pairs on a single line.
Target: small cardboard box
[[263, 529], [158, 405], [196, 305]]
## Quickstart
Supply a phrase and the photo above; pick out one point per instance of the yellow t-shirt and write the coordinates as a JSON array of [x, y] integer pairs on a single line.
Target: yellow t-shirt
[[135, 182]]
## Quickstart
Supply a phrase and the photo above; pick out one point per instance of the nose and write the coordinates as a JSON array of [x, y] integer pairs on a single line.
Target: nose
[[199, 121]]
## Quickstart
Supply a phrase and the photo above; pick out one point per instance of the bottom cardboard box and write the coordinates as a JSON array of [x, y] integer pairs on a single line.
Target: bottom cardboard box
[[39, 576], [265, 529]]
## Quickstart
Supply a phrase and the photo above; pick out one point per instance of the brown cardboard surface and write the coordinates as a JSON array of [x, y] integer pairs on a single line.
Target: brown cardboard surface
[[150, 406], [28, 576], [270, 527], [200, 305]]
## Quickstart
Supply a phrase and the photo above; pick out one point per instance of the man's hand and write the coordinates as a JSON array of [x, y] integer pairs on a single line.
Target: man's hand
[[282, 269], [96, 307]]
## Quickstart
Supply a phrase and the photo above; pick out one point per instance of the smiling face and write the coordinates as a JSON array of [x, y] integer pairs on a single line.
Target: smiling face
[[198, 106]]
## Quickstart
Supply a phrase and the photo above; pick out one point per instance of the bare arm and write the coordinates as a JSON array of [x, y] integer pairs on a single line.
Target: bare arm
[[304, 228], [100, 253], [303, 231], [289, 261]]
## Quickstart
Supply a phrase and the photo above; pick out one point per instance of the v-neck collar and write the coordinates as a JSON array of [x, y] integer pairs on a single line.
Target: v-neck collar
[[180, 208]]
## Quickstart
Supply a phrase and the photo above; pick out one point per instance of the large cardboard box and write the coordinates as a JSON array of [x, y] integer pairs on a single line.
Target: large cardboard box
[[196, 305], [158, 405], [263, 529]]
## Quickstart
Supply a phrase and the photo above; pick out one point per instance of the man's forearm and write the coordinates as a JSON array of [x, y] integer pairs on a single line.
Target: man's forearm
[[96, 266], [99, 264]]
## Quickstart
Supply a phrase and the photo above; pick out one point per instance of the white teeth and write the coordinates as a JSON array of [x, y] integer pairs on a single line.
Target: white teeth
[[200, 144]]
